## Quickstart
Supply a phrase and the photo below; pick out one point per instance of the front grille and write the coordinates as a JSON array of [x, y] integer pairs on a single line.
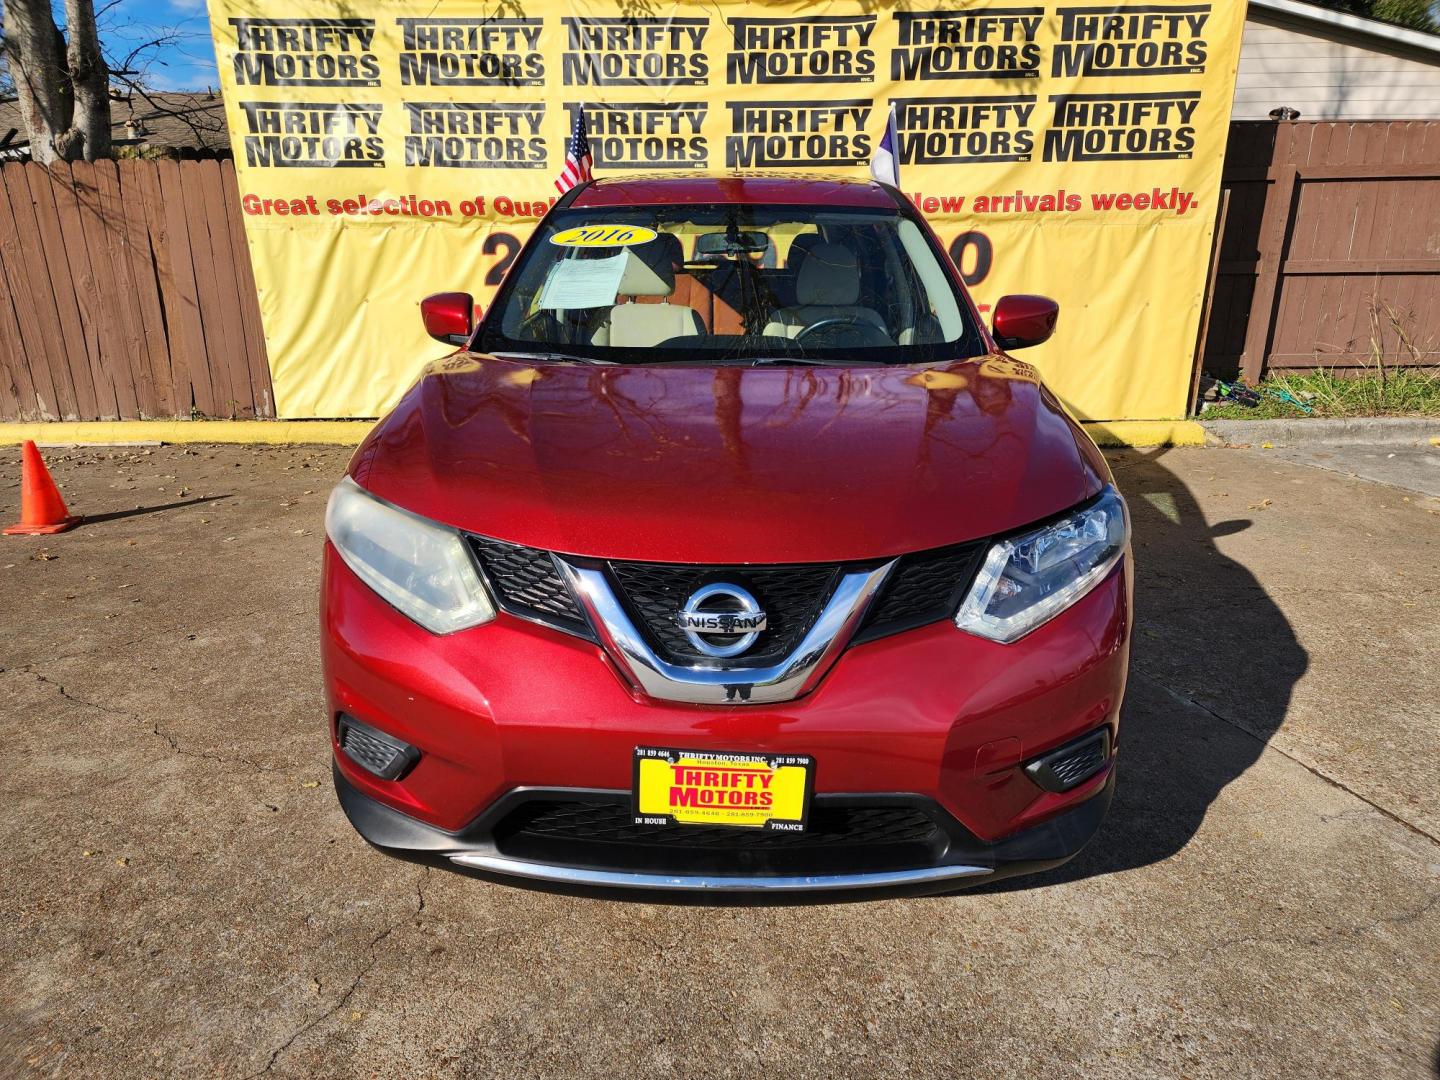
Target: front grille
[[791, 597], [526, 583], [837, 837], [925, 587], [613, 823]]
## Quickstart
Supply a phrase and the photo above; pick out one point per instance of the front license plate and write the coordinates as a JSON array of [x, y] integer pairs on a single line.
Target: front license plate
[[706, 787]]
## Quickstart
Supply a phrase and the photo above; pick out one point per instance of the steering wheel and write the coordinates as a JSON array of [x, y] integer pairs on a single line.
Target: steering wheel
[[828, 327], [538, 326]]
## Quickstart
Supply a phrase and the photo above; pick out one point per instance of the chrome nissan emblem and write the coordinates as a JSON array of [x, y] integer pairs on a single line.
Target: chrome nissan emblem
[[717, 612]]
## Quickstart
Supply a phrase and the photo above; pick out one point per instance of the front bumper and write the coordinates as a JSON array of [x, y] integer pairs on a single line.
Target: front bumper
[[945, 718], [961, 860]]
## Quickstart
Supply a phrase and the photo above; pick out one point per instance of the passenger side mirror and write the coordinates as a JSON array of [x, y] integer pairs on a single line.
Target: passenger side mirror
[[1022, 321], [449, 316]]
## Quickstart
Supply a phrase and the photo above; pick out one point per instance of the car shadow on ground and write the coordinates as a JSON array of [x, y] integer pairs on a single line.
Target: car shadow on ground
[[1213, 664]]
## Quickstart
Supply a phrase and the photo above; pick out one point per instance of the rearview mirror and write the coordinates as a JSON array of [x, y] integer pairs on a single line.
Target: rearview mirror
[[449, 316], [740, 243], [1022, 321]]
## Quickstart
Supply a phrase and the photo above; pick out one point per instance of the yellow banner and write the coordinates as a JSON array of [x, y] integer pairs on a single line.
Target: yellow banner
[[391, 149]]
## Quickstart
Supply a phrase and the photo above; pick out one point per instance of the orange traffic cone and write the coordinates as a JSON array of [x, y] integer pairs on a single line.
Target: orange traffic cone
[[42, 510]]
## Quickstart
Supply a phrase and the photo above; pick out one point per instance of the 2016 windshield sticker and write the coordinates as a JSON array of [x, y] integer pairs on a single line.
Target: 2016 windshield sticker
[[604, 236]]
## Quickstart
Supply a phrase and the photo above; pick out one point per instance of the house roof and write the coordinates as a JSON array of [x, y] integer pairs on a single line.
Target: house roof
[[156, 121], [1382, 32]]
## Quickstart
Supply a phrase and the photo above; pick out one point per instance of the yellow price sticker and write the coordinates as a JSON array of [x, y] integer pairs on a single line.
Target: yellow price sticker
[[604, 236]]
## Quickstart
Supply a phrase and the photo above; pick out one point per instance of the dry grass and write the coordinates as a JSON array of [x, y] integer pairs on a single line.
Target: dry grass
[[1402, 392], [1380, 389]]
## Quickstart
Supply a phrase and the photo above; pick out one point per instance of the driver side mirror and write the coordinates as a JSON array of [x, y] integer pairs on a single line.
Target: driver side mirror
[[1022, 321], [449, 316]]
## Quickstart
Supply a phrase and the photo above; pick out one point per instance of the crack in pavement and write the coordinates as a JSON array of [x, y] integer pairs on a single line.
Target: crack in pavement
[[1314, 770], [208, 755], [29, 669], [175, 747], [354, 985]]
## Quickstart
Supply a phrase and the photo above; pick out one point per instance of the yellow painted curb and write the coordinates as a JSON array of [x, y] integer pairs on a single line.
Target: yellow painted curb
[[1146, 432], [255, 432], [350, 432]]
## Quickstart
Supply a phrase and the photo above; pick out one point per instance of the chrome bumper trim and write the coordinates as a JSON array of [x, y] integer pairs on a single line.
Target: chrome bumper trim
[[622, 879], [718, 682]]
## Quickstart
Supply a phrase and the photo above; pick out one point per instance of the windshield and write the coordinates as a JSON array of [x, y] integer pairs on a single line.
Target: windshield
[[731, 283]]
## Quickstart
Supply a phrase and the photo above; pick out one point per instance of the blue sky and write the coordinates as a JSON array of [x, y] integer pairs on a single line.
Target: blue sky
[[187, 63]]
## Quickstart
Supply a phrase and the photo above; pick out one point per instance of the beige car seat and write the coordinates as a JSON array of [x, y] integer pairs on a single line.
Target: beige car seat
[[638, 326], [826, 287]]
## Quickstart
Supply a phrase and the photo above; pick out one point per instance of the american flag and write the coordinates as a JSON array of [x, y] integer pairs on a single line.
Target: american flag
[[577, 156]]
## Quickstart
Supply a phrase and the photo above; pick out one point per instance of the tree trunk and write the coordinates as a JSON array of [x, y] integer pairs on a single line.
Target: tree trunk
[[88, 138], [36, 55], [63, 92]]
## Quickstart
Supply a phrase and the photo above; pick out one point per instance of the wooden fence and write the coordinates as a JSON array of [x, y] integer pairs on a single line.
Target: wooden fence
[[126, 292], [1330, 248]]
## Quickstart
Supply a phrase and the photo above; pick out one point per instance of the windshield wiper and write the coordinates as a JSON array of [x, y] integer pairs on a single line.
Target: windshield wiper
[[558, 358], [814, 361]]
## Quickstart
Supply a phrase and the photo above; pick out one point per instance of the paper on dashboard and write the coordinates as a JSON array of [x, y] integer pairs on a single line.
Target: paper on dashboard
[[584, 283]]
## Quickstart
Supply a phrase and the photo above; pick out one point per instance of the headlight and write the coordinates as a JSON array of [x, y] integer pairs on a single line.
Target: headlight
[[419, 566], [1028, 580]]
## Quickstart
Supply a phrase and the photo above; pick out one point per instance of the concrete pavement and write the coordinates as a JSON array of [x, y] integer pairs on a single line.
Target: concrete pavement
[[1414, 468], [1400, 451], [183, 895]]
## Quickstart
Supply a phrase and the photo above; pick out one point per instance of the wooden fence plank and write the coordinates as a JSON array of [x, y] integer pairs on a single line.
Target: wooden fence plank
[[109, 246], [1393, 154], [249, 303], [231, 354], [77, 205], [1380, 336], [1355, 253], [1366, 170], [1279, 206], [1298, 304], [1369, 237], [42, 183], [67, 206], [1343, 267], [191, 334], [157, 229], [133, 188], [207, 293], [35, 310], [17, 397], [1328, 295]]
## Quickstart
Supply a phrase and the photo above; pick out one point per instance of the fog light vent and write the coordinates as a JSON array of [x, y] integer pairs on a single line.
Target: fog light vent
[[374, 751], [1073, 763]]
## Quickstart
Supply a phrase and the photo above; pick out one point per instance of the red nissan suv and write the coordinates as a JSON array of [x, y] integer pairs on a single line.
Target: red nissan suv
[[730, 554]]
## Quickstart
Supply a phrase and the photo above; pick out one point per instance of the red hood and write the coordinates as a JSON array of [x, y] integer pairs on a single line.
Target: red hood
[[730, 464]]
